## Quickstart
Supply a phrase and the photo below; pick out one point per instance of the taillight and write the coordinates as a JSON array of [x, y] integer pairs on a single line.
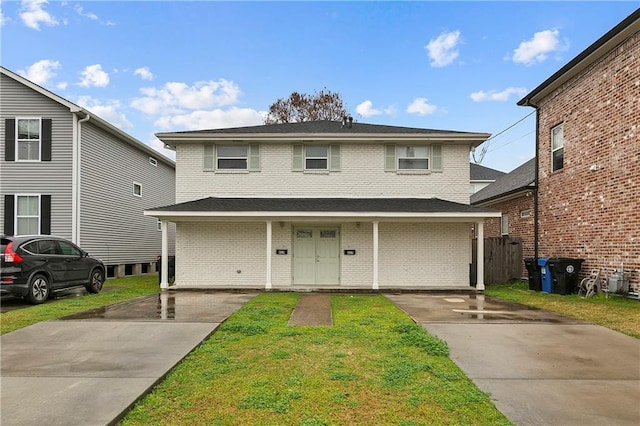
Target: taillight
[[11, 256]]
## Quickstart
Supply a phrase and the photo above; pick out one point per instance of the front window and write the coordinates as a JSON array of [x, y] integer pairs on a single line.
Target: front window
[[28, 215], [413, 157], [28, 139], [231, 157], [316, 157], [557, 148]]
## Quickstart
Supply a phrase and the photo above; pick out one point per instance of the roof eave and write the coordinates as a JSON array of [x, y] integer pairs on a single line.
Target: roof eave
[[505, 196], [612, 38]]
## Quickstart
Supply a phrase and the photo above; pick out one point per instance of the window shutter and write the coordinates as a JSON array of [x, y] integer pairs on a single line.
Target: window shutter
[[296, 160], [46, 139], [436, 158], [45, 214], [389, 157], [334, 158], [209, 156], [254, 157], [10, 142], [9, 213]]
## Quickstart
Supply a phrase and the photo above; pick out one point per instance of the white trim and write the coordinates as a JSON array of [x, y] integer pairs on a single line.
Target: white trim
[[267, 285], [375, 285], [153, 162], [134, 189], [480, 256], [15, 212], [298, 214], [17, 139], [164, 277]]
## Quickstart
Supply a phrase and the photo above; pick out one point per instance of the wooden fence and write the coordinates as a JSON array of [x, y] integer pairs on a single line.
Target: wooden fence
[[502, 259]]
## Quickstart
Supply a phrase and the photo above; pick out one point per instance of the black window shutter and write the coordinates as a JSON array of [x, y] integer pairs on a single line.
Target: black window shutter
[[8, 214], [10, 140], [45, 214], [46, 139]]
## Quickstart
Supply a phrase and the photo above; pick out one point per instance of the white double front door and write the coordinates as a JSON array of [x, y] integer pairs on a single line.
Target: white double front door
[[316, 255]]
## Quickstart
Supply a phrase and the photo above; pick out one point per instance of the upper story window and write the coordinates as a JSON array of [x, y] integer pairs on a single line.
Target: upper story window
[[153, 161], [315, 158], [27, 214], [28, 140], [413, 157], [221, 158], [137, 189], [232, 157], [557, 148]]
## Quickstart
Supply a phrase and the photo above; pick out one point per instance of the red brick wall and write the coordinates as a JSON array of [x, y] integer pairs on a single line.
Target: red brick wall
[[518, 226], [594, 214]]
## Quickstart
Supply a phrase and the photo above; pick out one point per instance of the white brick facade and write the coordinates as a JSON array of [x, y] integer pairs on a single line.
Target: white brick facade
[[390, 248], [362, 174]]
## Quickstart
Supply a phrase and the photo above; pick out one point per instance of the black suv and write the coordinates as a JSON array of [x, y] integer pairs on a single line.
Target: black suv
[[35, 266]]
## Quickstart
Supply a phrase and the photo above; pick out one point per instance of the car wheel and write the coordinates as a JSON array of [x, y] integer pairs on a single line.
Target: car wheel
[[95, 281], [38, 290]]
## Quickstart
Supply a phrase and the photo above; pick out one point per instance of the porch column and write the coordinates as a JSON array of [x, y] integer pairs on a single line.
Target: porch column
[[375, 256], [269, 238], [480, 255], [164, 272]]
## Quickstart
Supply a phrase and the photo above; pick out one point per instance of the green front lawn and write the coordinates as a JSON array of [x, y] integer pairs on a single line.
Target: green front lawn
[[374, 366], [615, 312], [126, 289]]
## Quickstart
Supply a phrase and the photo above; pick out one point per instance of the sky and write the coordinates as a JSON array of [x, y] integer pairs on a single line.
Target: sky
[[163, 66]]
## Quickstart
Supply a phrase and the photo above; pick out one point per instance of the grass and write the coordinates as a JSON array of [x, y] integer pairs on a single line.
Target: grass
[[128, 288], [373, 366], [615, 312]]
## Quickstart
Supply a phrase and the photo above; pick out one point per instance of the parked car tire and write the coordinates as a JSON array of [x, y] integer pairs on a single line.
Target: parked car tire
[[39, 289], [96, 281]]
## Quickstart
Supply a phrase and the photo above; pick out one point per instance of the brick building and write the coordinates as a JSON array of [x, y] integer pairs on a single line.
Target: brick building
[[511, 194], [588, 150]]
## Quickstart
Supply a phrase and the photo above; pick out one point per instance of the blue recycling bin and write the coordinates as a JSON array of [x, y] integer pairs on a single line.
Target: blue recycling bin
[[545, 275]]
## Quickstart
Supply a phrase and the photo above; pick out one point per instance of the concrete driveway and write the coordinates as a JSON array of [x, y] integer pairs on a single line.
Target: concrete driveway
[[540, 368], [88, 369]]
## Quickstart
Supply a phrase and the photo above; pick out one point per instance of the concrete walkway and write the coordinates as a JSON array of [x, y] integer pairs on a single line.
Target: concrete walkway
[[90, 369], [540, 368], [312, 309]]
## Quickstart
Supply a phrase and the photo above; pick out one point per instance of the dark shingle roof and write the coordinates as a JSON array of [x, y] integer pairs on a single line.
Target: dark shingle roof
[[479, 172], [368, 205], [520, 178], [321, 127]]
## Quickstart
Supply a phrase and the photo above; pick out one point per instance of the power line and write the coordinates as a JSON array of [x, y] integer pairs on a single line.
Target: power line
[[486, 143]]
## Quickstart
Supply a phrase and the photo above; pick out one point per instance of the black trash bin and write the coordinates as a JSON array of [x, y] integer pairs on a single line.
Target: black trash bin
[[172, 268], [533, 270], [564, 273]]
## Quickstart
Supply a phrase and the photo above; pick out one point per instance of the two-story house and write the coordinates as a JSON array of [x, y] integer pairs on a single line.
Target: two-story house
[[323, 204], [588, 155], [67, 172]]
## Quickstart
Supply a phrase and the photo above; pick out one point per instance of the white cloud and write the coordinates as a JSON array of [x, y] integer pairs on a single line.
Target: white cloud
[[492, 95], [62, 85], [421, 106], [90, 15], [108, 111], [33, 14], [443, 50], [158, 145], [366, 109], [176, 97], [537, 49], [94, 76], [214, 119], [144, 73], [40, 72]]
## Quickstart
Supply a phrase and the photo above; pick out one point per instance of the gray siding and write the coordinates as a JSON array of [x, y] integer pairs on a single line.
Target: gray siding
[[46, 177], [113, 226]]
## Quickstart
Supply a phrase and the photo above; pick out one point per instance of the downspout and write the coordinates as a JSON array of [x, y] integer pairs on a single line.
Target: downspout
[[76, 177], [535, 181]]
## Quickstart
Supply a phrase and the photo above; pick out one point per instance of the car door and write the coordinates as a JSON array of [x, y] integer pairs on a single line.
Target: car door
[[47, 255], [76, 263]]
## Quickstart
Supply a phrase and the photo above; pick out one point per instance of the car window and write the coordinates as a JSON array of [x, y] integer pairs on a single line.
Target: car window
[[68, 249], [31, 247], [47, 247]]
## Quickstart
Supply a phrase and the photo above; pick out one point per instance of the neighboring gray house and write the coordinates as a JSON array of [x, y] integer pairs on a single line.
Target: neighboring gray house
[[67, 172], [482, 176]]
